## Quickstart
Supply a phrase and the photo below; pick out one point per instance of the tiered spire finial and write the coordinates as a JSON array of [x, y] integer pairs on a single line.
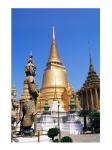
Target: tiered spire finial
[[91, 67], [54, 57], [90, 59], [53, 36], [89, 48]]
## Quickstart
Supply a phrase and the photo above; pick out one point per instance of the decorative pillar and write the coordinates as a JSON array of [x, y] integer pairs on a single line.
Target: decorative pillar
[[96, 98], [91, 95], [87, 102]]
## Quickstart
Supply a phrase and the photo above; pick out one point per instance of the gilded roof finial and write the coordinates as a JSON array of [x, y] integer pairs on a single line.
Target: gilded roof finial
[[90, 59], [53, 36], [91, 67], [54, 57]]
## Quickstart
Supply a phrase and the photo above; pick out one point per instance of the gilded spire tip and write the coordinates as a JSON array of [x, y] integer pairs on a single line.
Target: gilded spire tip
[[91, 67], [53, 33], [90, 59], [54, 57]]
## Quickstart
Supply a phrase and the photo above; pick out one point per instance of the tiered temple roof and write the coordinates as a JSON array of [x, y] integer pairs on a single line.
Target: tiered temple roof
[[92, 79], [89, 94]]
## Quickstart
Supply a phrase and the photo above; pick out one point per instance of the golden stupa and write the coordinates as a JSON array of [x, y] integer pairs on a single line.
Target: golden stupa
[[54, 84]]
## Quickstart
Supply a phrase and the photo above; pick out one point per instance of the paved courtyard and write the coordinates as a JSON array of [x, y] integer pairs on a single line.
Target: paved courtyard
[[76, 138], [84, 137], [43, 138]]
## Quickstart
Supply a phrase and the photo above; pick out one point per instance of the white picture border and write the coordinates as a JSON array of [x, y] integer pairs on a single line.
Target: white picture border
[[105, 70]]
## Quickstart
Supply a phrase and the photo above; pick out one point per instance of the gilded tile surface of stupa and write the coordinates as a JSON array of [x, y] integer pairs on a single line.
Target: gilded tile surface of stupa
[[54, 80]]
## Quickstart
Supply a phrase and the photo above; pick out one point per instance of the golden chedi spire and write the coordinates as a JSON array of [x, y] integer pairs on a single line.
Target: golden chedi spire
[[54, 79], [54, 57], [54, 69]]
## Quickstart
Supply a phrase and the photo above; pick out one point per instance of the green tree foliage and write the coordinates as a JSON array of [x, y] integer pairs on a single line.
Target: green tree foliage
[[95, 121], [52, 132], [66, 139], [84, 114]]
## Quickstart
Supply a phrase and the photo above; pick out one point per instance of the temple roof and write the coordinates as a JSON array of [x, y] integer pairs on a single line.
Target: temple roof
[[92, 79], [54, 56]]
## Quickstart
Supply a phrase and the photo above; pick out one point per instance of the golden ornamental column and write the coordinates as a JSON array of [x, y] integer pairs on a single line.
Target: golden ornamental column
[[87, 102], [96, 98], [91, 95]]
